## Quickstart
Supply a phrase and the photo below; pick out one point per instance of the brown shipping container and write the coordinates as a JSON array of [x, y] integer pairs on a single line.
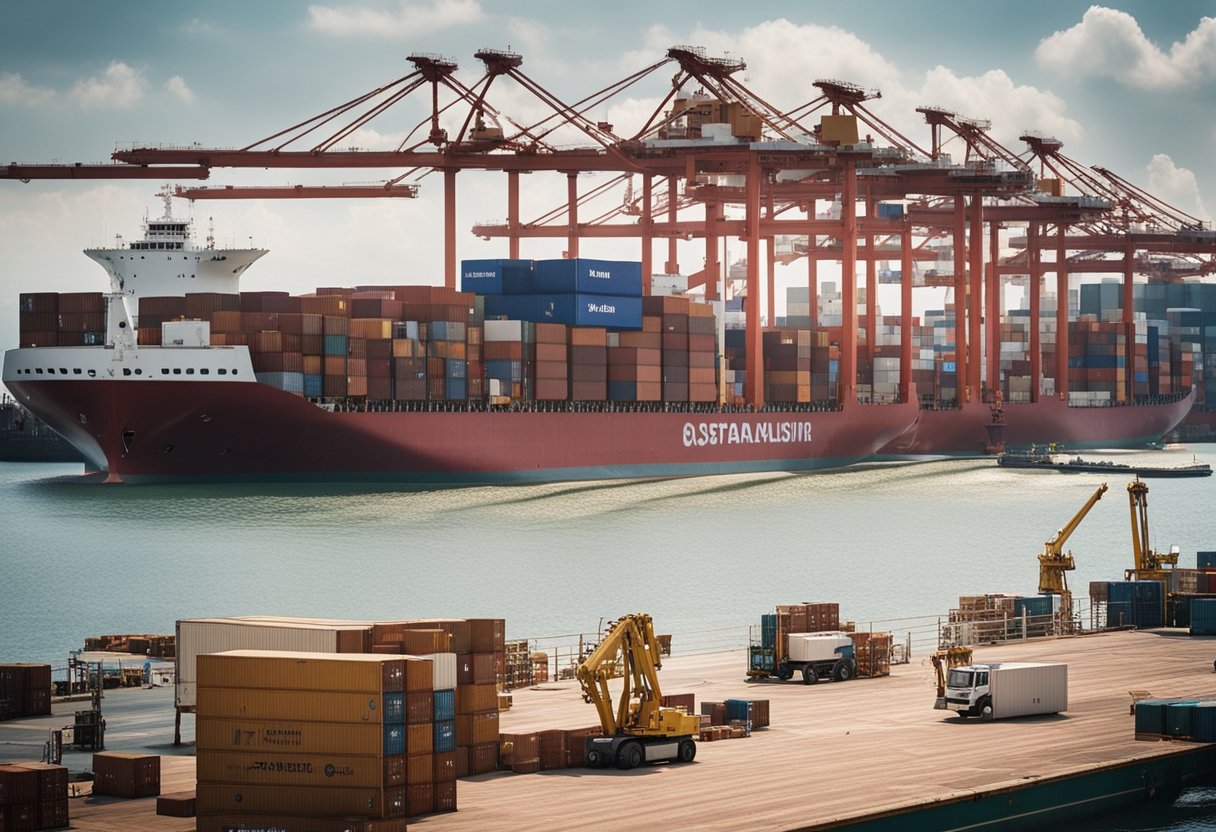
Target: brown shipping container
[[419, 707], [217, 798], [483, 758], [425, 642], [292, 705], [483, 670], [17, 785], [419, 739], [295, 737], [19, 817], [419, 768], [419, 674], [288, 769], [462, 761], [126, 775], [458, 628], [53, 814], [444, 767], [588, 336], [471, 699], [514, 748], [576, 740], [52, 781], [445, 796], [553, 749], [268, 669], [477, 729], [296, 823], [394, 770], [419, 799]]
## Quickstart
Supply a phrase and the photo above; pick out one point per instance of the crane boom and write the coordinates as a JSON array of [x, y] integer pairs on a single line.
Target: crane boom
[[1149, 564], [1055, 563]]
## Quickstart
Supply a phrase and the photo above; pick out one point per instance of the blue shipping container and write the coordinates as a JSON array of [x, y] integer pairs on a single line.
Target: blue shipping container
[[456, 368], [457, 389], [335, 344], [445, 705], [394, 739], [314, 386], [394, 708], [1205, 560], [1203, 722], [1203, 616], [504, 369], [495, 277], [611, 311], [592, 277], [445, 736], [622, 391], [288, 382]]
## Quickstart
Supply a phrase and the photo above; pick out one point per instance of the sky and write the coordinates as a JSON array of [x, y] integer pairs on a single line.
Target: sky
[[1130, 86]]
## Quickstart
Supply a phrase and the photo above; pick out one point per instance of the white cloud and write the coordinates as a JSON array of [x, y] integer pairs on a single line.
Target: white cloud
[[196, 26], [120, 88], [15, 90], [1176, 186], [1011, 108], [1110, 43], [178, 87], [409, 19]]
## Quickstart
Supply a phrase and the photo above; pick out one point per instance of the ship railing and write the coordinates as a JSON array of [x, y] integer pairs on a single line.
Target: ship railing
[[353, 405], [968, 628]]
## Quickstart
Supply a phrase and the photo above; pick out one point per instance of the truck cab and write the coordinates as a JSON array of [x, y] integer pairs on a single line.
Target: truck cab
[[967, 691]]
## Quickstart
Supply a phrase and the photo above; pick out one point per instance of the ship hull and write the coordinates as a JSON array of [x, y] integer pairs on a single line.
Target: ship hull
[[157, 431], [963, 432]]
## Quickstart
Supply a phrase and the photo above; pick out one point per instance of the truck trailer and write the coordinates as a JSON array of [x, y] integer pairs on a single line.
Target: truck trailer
[[1005, 689]]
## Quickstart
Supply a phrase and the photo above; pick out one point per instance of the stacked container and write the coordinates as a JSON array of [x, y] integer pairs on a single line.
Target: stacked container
[[304, 734], [33, 796], [507, 352], [553, 361], [38, 319], [635, 363], [588, 364], [787, 365], [126, 775], [25, 690]]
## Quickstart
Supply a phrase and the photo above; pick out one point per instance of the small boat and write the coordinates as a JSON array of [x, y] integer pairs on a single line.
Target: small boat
[[1042, 460]]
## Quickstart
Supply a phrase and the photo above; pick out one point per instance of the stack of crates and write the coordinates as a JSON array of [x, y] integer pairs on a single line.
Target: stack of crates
[[33, 796], [25, 690], [295, 737]]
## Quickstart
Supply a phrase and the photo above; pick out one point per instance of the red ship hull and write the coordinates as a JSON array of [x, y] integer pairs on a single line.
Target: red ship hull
[[180, 431], [964, 432]]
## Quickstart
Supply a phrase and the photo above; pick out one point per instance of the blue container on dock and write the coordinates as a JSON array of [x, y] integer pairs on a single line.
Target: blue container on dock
[[768, 630], [1119, 614], [1178, 611], [1203, 722], [740, 709], [1205, 560], [496, 277], [584, 276], [1203, 617], [394, 708], [445, 705], [394, 739], [511, 307], [1035, 606], [1150, 716], [445, 736], [457, 389], [1120, 592], [611, 311], [1178, 718]]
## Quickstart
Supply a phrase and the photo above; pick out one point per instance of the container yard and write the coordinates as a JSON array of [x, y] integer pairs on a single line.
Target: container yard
[[879, 748]]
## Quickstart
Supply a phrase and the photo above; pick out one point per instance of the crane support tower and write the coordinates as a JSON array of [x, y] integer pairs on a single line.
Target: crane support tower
[[638, 730], [1054, 563], [1149, 563]]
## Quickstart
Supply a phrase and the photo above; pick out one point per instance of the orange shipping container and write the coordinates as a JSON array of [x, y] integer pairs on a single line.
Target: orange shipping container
[[269, 669], [471, 699], [278, 768], [291, 705], [291, 736], [215, 798]]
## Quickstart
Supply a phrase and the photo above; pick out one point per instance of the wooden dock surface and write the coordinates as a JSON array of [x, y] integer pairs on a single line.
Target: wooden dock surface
[[833, 750]]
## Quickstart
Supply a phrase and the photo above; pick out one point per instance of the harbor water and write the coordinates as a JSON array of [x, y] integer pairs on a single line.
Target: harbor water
[[894, 544]]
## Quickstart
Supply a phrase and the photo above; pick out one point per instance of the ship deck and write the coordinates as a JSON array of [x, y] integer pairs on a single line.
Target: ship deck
[[834, 751]]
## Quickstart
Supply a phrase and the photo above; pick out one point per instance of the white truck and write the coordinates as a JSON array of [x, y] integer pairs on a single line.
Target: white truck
[[819, 656], [997, 690]]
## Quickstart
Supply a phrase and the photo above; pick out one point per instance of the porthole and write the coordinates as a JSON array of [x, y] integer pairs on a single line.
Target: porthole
[[138, 371], [63, 371], [189, 371], [92, 374], [126, 371], [222, 371], [75, 371], [177, 371], [164, 371], [204, 371]]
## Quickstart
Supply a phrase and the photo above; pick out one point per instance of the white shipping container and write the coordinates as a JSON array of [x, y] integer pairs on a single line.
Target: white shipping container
[[185, 333], [1020, 689], [443, 667], [503, 331], [196, 637], [816, 647]]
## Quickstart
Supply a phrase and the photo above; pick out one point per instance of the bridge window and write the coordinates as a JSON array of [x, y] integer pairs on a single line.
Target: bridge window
[[63, 370], [38, 370]]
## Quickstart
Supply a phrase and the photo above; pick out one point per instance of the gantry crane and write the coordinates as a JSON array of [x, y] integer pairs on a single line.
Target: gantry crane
[[1150, 564], [1054, 563], [639, 729]]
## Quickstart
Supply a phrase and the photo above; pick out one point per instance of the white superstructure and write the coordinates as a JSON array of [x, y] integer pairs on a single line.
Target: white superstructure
[[167, 262]]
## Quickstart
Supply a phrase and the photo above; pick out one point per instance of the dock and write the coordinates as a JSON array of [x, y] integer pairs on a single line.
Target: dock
[[836, 753]]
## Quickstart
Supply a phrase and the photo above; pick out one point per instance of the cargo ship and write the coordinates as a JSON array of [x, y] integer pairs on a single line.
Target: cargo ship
[[176, 375], [26, 438]]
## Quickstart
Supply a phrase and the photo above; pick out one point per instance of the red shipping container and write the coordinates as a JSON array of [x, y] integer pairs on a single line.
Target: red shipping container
[[18, 785], [419, 768], [126, 775], [419, 707], [445, 796], [419, 799], [483, 758], [176, 805], [444, 767]]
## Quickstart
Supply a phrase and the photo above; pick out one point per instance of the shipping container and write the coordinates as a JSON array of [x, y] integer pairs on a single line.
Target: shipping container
[[216, 798], [121, 774], [271, 669], [586, 276], [213, 734], [306, 706], [281, 768]]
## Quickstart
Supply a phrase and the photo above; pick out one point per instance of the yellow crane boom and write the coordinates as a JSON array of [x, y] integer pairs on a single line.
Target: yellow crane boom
[[1149, 564], [1055, 563]]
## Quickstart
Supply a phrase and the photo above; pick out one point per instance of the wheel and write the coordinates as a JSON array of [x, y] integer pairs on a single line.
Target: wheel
[[594, 758], [842, 671], [688, 751], [784, 672], [984, 706], [808, 675], [629, 756]]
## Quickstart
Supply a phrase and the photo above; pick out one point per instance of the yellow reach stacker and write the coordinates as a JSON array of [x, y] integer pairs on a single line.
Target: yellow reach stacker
[[638, 730]]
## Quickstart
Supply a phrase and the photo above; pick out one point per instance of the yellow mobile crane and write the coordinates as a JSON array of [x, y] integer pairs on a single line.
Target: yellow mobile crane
[[638, 730], [1149, 563], [1055, 562]]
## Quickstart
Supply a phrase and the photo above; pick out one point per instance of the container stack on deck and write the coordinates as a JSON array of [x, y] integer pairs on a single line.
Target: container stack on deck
[[33, 796], [996, 616], [25, 690], [305, 736]]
